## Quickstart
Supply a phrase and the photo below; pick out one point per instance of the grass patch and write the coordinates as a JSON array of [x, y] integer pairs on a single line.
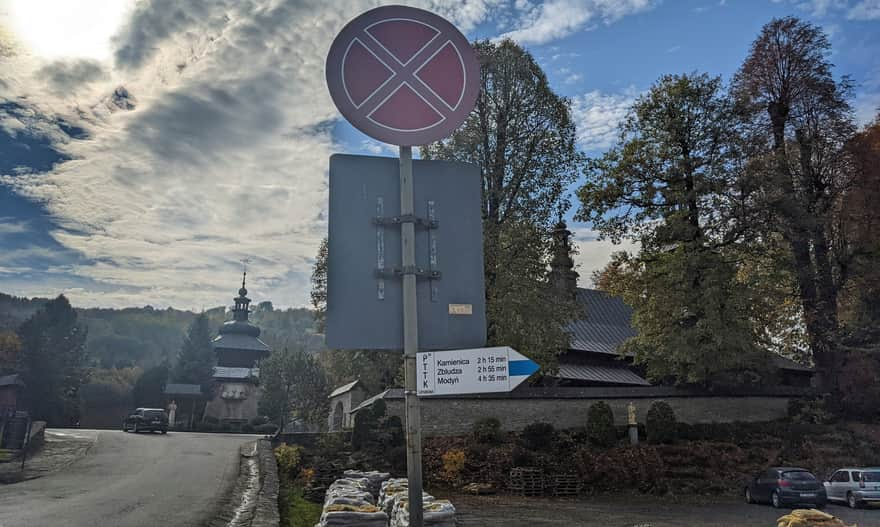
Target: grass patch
[[295, 510]]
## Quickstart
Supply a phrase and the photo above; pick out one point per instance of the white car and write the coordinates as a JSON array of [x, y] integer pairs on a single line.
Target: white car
[[854, 486]]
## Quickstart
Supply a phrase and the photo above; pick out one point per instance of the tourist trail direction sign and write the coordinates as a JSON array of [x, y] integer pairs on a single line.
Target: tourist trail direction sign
[[403, 75], [483, 370]]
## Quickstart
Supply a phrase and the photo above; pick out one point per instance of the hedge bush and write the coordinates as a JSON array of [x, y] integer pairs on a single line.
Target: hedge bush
[[487, 431], [600, 425], [660, 423], [539, 436]]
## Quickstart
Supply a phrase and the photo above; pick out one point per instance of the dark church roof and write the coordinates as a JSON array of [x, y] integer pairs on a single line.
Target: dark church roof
[[605, 324], [600, 373], [239, 333]]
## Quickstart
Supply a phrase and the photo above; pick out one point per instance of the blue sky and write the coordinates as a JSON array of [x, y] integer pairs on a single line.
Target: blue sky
[[145, 149]]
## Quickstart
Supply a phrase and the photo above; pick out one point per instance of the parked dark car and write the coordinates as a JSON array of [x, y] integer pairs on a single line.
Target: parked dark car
[[146, 420], [782, 486]]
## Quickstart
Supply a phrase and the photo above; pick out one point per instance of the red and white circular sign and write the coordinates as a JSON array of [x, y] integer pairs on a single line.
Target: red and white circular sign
[[403, 75]]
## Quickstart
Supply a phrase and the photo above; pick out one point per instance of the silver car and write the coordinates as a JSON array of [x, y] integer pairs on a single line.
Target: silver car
[[854, 486]]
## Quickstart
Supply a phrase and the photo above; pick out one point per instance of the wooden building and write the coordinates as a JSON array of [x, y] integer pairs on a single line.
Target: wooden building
[[236, 376]]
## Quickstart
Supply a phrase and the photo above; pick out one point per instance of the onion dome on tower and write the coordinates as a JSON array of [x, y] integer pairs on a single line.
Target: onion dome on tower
[[238, 344]]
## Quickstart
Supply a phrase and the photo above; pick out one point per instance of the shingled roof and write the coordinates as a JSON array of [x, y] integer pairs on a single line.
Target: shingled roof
[[605, 324]]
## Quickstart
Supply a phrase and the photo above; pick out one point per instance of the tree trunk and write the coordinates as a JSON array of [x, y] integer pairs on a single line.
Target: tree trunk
[[798, 236]]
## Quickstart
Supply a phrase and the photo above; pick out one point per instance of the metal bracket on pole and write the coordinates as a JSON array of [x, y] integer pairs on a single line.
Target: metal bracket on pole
[[432, 249], [406, 218], [380, 248], [397, 272]]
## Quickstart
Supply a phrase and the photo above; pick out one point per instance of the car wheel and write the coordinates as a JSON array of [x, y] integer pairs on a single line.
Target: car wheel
[[774, 499], [852, 501], [164, 432], [749, 498], [821, 505]]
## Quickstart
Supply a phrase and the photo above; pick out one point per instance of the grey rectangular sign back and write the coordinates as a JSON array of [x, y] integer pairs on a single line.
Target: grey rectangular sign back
[[364, 295]]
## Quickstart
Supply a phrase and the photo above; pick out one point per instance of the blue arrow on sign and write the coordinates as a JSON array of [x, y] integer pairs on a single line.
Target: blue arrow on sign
[[523, 368]]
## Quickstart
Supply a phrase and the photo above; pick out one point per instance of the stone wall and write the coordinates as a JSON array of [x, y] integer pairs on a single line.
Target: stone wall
[[456, 416]]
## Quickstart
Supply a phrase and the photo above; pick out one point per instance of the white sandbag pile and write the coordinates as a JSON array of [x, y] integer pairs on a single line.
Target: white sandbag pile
[[393, 490], [348, 503], [374, 479], [436, 513]]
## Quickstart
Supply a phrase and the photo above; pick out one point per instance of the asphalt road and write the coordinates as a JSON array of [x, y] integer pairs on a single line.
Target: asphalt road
[[632, 511], [130, 480]]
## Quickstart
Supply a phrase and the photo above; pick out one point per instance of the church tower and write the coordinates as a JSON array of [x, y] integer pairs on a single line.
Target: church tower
[[236, 376]]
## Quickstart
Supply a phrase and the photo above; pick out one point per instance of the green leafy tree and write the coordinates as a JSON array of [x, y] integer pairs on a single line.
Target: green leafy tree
[[801, 122], [53, 362], [148, 391], [378, 370], [522, 138], [293, 384], [674, 185], [10, 349], [319, 286], [196, 360]]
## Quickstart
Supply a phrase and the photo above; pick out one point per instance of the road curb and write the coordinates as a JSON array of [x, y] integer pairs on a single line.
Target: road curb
[[266, 514]]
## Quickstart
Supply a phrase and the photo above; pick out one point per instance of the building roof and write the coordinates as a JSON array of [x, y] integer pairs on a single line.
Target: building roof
[[11, 380], [183, 389], [239, 334], [345, 388], [237, 341], [391, 393], [605, 324], [787, 364], [227, 372], [601, 373]]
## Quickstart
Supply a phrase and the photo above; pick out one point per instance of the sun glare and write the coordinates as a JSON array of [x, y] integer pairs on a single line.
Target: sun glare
[[66, 28]]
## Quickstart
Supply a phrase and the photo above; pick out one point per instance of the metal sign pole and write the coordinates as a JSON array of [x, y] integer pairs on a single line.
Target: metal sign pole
[[410, 341]]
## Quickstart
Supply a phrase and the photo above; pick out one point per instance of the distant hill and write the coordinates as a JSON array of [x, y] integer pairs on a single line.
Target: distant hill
[[144, 336]]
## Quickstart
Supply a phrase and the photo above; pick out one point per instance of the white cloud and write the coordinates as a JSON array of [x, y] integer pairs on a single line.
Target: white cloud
[[573, 78], [555, 19], [594, 254], [597, 116], [865, 10], [12, 226], [209, 135]]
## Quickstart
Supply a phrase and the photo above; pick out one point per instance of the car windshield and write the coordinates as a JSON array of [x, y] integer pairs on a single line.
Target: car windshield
[[873, 477], [153, 414], [800, 475]]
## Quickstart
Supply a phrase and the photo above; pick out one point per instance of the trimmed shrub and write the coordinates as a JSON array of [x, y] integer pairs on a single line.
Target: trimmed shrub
[[360, 432], [600, 425], [487, 431], [660, 423], [539, 436], [810, 411], [225, 427], [288, 458], [247, 428]]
